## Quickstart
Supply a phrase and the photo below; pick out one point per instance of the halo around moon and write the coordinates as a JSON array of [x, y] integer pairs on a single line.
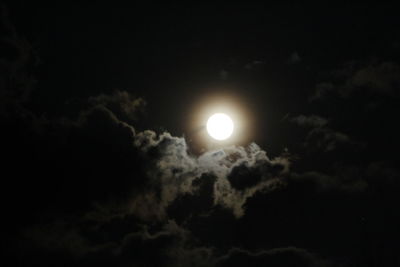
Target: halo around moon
[[220, 126]]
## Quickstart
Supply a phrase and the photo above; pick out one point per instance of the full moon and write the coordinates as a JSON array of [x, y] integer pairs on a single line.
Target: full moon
[[220, 126]]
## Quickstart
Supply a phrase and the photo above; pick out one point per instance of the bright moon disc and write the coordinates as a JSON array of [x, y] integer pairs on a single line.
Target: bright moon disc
[[220, 126]]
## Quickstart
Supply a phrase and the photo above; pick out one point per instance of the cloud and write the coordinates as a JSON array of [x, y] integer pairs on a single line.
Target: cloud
[[154, 169], [223, 74], [171, 245], [244, 176], [311, 120], [326, 139], [100, 123], [322, 90], [168, 244], [121, 103], [290, 256], [228, 164], [17, 60], [254, 64], [377, 77], [383, 175], [383, 77], [136, 197], [294, 58], [17, 80], [321, 136], [123, 185], [340, 182], [176, 170], [170, 171]]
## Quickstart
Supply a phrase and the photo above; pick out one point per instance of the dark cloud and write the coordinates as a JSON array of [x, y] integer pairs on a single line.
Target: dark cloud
[[224, 74], [243, 176], [147, 171], [169, 246], [341, 182], [112, 174], [121, 103], [254, 64], [322, 90], [101, 120], [311, 120], [294, 58], [383, 175], [381, 78], [320, 135], [146, 195], [16, 51], [290, 256], [139, 197], [197, 204], [17, 60], [326, 139]]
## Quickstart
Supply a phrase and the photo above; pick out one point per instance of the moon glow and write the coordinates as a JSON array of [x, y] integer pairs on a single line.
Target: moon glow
[[220, 126]]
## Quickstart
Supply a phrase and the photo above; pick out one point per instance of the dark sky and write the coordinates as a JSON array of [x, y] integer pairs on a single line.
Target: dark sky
[[105, 162]]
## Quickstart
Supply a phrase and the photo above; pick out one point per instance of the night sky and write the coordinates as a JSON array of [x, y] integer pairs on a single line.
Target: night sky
[[105, 159]]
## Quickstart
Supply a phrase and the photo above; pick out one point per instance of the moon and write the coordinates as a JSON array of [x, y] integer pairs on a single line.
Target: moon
[[220, 126]]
